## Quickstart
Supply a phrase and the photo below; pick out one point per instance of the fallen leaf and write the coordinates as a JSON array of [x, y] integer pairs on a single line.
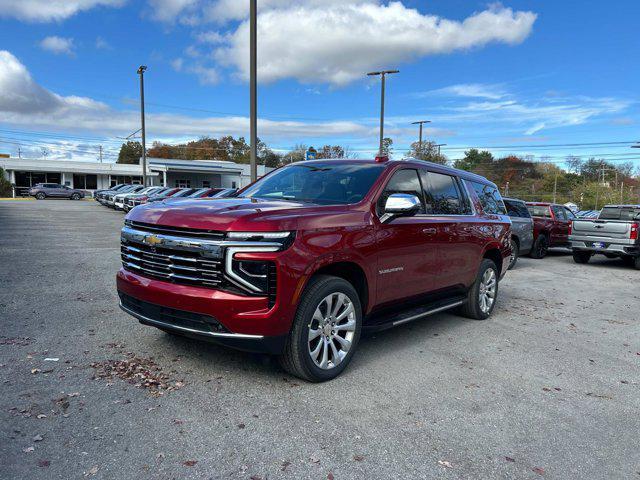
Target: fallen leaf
[[358, 458], [509, 459], [92, 471], [189, 463], [330, 476], [444, 463], [38, 438], [538, 470], [241, 426], [28, 449], [44, 463], [35, 370], [41, 416], [284, 466]]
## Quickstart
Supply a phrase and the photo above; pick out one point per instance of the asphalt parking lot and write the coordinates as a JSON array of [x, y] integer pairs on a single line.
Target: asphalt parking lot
[[548, 387]]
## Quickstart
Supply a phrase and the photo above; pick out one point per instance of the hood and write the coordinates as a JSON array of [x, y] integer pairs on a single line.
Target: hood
[[225, 214]]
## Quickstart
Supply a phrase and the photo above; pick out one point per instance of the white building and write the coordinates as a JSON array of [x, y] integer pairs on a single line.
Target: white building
[[24, 173]]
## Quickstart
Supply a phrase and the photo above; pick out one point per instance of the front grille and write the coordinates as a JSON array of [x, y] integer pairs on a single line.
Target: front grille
[[177, 266], [172, 316], [182, 232]]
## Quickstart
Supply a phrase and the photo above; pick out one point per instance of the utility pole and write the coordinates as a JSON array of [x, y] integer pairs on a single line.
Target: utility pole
[[555, 187], [383, 74], [420, 123], [253, 86], [622, 193], [141, 71], [440, 145], [100, 157], [19, 152]]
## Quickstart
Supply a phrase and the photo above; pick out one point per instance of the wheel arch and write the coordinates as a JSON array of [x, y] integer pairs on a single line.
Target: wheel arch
[[495, 255], [348, 270]]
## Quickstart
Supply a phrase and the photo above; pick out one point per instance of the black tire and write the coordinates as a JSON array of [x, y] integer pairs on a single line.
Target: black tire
[[581, 257], [628, 260], [471, 308], [75, 196], [296, 358], [40, 196], [515, 249], [636, 263], [540, 247]]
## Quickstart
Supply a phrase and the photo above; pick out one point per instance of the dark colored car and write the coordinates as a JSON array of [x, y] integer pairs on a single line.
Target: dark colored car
[[101, 195], [141, 198], [55, 190], [98, 193], [521, 228], [164, 195], [551, 227], [300, 262]]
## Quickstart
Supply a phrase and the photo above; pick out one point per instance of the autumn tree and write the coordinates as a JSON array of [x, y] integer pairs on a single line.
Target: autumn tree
[[428, 151]]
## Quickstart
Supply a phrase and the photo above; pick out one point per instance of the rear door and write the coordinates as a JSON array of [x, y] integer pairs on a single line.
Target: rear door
[[452, 226], [406, 254], [522, 223]]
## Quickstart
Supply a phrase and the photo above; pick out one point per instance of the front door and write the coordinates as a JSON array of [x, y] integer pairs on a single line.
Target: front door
[[560, 230], [405, 254]]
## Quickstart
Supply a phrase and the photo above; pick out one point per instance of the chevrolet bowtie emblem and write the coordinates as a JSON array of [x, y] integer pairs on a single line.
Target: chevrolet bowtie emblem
[[153, 240]]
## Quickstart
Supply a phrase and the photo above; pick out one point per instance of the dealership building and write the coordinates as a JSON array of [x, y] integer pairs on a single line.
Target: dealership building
[[24, 173]]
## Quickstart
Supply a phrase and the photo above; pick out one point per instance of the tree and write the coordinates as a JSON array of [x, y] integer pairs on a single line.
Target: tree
[[5, 185], [130, 153], [387, 146], [427, 151], [331, 151], [473, 158]]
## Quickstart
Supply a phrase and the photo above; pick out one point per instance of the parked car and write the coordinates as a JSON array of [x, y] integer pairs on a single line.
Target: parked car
[[551, 223], [613, 234], [521, 229], [98, 193], [164, 195], [312, 253], [101, 196], [119, 199], [109, 199], [55, 190], [218, 192], [139, 198]]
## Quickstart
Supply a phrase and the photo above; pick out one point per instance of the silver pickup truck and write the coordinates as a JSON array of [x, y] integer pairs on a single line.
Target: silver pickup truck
[[613, 234]]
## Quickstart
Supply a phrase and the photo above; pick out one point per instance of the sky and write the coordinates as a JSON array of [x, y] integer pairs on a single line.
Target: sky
[[544, 78]]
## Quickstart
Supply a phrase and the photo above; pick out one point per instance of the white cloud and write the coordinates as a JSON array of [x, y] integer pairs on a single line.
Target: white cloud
[[50, 10], [338, 42], [170, 11], [102, 44], [58, 45], [474, 90], [24, 102]]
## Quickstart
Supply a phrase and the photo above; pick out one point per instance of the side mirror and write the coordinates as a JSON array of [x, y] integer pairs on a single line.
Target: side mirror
[[400, 204]]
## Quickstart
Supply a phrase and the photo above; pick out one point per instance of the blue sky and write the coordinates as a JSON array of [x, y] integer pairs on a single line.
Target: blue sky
[[521, 74]]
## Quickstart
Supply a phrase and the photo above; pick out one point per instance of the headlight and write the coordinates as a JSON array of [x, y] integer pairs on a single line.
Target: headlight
[[254, 276]]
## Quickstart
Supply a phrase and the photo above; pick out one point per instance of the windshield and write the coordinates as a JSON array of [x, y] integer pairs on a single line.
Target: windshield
[[539, 211], [320, 183], [620, 213]]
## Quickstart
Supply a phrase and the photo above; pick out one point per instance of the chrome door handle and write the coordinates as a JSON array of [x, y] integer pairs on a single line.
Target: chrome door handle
[[429, 231]]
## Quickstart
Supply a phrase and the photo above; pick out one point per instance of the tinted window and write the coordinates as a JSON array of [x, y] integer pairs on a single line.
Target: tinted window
[[403, 181], [490, 199], [620, 213], [330, 183], [516, 209], [559, 213], [539, 211], [570, 215], [443, 196]]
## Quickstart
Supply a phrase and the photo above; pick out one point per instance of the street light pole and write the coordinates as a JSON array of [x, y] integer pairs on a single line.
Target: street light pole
[[253, 86], [420, 122], [440, 145], [383, 74], [141, 71]]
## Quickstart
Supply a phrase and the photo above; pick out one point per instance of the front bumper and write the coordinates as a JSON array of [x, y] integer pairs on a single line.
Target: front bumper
[[246, 322], [200, 327]]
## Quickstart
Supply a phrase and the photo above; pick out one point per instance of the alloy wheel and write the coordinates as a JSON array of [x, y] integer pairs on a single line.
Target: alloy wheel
[[332, 330], [487, 291]]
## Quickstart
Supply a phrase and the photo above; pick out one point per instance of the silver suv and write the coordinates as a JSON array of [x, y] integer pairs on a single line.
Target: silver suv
[[55, 190]]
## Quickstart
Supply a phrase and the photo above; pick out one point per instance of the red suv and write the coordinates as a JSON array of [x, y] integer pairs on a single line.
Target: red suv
[[303, 260], [551, 227]]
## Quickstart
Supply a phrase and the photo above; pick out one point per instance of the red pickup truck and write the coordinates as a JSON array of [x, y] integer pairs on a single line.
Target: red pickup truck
[[551, 227], [303, 260]]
